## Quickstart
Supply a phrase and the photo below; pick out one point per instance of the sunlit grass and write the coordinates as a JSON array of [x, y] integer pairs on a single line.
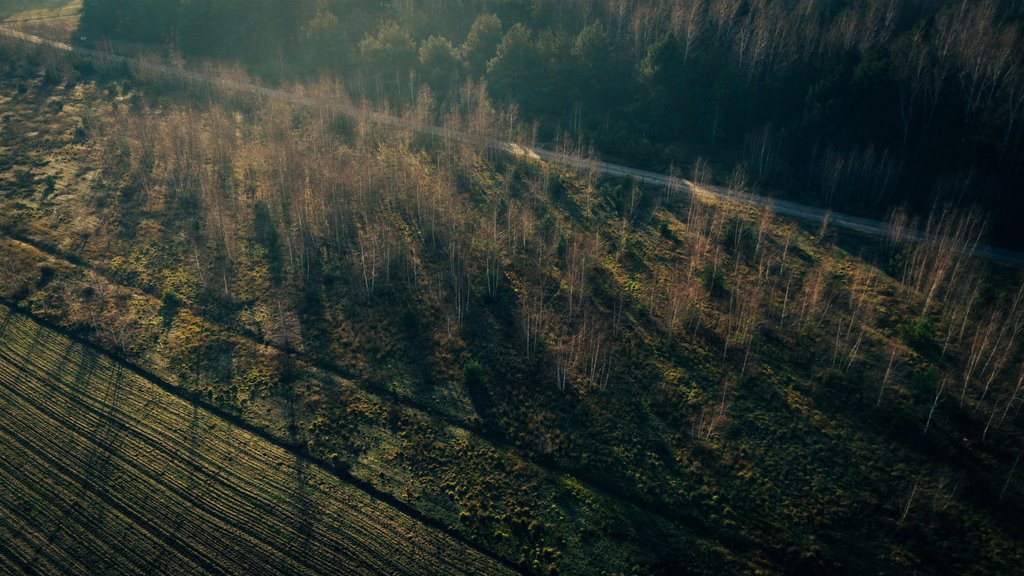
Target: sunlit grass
[[26, 9]]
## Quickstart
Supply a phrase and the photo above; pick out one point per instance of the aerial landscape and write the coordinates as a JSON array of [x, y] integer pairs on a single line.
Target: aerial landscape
[[617, 287]]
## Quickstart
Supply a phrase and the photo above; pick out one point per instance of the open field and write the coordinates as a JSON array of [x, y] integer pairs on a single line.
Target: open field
[[105, 472]]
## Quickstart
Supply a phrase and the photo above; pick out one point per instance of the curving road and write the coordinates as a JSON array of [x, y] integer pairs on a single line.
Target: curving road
[[785, 207]]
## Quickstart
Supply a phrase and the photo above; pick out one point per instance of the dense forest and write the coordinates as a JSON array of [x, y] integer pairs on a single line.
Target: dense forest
[[855, 105]]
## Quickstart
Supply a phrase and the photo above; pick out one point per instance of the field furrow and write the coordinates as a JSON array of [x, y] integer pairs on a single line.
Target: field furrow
[[74, 493], [116, 475], [111, 458]]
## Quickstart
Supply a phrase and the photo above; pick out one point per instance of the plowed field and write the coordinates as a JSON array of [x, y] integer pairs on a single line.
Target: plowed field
[[105, 472]]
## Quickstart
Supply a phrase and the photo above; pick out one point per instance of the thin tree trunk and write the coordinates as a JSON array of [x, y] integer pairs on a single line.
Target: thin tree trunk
[[1009, 478], [910, 500], [935, 404], [885, 379]]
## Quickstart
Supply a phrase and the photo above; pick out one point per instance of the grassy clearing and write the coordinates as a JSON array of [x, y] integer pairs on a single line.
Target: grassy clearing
[[733, 435], [425, 446], [107, 473]]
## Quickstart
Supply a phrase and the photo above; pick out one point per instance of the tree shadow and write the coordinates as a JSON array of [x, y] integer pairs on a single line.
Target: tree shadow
[[303, 507]]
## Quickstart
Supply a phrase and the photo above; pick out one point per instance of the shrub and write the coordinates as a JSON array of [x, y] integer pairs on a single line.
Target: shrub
[[170, 304], [665, 230], [83, 66], [919, 333], [472, 374], [714, 281], [410, 321], [923, 382], [80, 131]]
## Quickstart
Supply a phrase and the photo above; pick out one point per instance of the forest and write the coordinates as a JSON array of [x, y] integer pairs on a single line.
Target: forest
[[856, 106], [236, 272]]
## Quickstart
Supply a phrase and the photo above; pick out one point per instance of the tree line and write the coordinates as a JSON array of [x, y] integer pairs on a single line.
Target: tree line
[[857, 105]]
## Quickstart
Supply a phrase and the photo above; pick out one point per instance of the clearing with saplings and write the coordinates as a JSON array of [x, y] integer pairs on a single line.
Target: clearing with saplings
[[318, 287]]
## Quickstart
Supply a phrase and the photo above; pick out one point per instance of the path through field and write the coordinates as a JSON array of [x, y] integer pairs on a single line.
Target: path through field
[[104, 472]]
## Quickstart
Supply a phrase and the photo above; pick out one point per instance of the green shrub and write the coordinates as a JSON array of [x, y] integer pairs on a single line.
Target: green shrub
[[919, 333], [170, 304], [80, 131], [665, 230], [739, 236], [473, 374], [923, 382], [895, 264], [714, 281], [410, 321]]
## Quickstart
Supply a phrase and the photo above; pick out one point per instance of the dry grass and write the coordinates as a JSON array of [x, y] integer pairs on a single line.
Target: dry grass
[[34, 9]]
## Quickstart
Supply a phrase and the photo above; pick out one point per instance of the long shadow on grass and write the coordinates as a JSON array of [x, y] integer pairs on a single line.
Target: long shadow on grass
[[302, 503], [100, 464], [88, 362], [192, 486], [955, 438], [304, 508]]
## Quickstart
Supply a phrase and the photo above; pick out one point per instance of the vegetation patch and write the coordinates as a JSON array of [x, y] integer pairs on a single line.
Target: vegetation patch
[[570, 372]]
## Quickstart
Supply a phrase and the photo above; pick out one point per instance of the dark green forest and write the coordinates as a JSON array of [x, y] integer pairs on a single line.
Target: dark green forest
[[854, 105]]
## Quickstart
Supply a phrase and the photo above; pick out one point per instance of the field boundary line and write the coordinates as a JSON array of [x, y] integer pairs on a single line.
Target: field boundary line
[[293, 449]]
